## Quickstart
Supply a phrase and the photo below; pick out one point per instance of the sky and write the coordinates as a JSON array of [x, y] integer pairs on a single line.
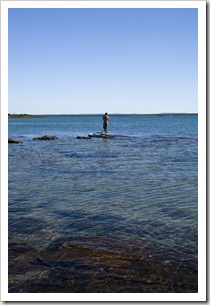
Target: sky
[[123, 60]]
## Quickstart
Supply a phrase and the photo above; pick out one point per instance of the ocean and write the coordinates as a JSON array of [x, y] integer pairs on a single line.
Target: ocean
[[103, 214]]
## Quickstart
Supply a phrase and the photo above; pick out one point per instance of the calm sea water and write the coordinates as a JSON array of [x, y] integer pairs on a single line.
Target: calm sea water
[[137, 190]]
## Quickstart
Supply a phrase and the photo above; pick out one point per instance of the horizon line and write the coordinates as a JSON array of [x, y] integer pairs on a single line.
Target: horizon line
[[161, 113]]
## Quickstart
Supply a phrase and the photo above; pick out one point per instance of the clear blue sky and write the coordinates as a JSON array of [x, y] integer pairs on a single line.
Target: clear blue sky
[[64, 61]]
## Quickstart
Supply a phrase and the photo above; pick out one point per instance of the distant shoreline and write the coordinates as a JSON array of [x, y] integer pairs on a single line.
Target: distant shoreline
[[97, 114], [23, 116]]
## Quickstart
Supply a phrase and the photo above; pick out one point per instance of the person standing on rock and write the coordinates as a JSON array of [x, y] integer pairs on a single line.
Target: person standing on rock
[[105, 122]]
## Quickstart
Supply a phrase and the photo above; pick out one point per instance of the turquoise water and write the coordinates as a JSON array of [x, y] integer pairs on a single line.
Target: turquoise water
[[138, 189]]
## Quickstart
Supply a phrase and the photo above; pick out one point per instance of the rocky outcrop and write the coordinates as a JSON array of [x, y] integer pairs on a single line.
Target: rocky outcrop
[[10, 140], [101, 135], [45, 138]]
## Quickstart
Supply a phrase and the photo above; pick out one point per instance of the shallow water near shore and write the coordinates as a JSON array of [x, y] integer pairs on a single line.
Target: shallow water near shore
[[103, 215]]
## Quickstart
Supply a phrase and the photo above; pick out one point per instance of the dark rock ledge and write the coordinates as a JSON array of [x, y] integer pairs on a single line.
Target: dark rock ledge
[[10, 140], [45, 138]]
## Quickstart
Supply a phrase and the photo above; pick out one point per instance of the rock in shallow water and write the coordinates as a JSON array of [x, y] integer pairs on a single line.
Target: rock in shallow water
[[100, 135], [10, 140], [45, 138], [83, 137]]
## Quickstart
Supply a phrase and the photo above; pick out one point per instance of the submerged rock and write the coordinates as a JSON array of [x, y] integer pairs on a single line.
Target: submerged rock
[[82, 137], [45, 138], [10, 140], [100, 265]]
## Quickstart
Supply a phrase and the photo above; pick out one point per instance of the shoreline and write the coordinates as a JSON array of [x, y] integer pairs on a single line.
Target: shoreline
[[23, 116]]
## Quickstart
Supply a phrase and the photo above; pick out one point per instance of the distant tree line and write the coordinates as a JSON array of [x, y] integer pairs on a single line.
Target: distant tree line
[[25, 115]]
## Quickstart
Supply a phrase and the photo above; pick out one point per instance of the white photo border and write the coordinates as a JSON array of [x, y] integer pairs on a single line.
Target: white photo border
[[129, 297]]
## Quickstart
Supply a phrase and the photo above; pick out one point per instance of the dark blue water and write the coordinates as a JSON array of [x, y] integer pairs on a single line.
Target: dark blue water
[[139, 188]]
